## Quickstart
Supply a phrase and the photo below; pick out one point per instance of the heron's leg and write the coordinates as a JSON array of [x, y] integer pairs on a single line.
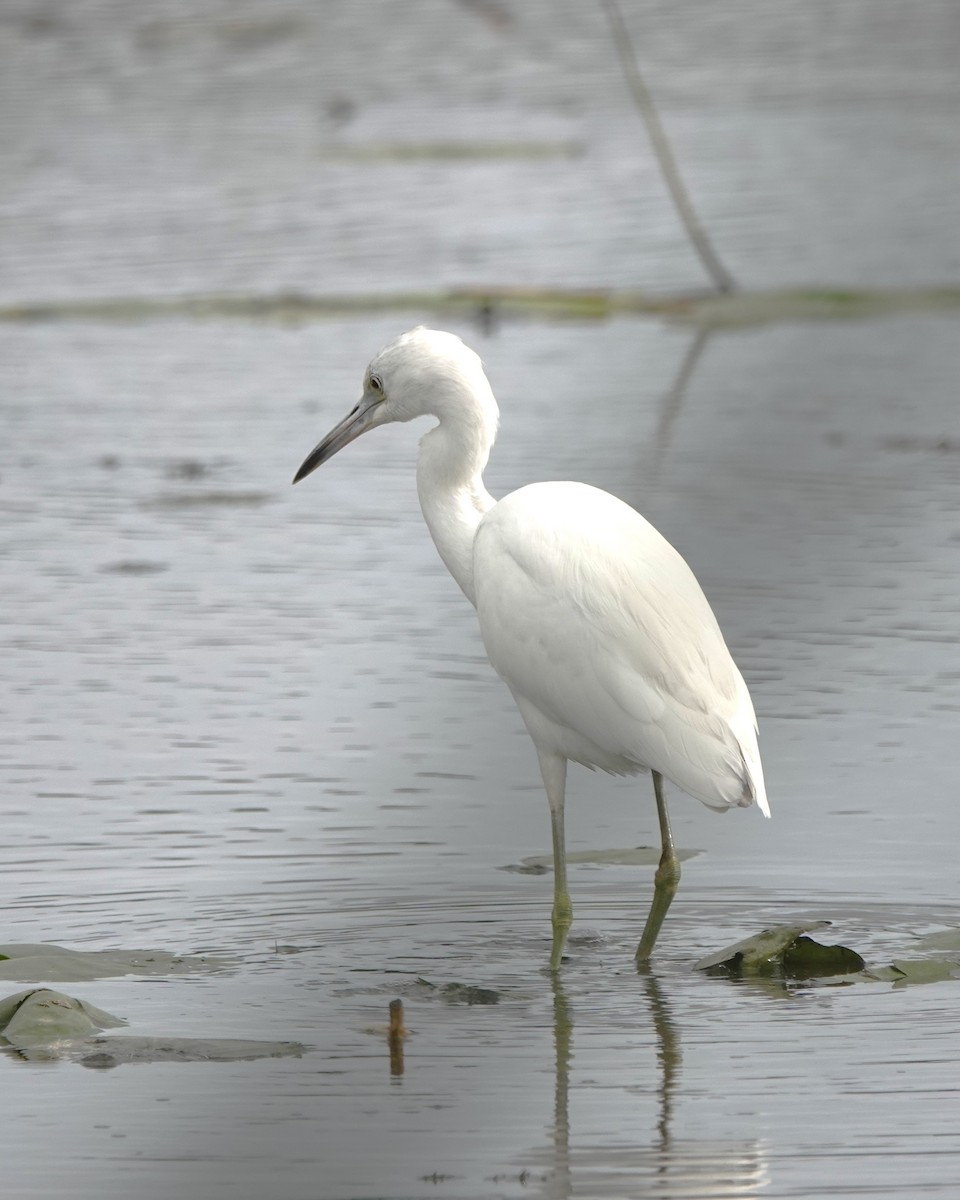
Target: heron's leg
[[665, 881], [553, 770]]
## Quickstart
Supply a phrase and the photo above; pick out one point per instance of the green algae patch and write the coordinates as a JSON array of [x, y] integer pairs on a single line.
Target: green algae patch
[[741, 310], [706, 310]]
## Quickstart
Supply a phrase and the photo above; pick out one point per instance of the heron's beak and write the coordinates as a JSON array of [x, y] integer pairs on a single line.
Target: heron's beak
[[357, 421]]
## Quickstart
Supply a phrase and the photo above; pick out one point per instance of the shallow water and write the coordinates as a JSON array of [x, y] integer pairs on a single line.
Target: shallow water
[[258, 720], [255, 720]]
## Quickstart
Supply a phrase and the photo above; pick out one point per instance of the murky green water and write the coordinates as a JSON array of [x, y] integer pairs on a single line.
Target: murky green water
[[257, 720]]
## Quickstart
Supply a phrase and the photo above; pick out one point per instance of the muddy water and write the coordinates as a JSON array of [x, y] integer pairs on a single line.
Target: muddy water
[[254, 720]]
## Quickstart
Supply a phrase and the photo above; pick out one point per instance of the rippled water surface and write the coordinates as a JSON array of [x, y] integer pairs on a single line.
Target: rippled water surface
[[257, 720]]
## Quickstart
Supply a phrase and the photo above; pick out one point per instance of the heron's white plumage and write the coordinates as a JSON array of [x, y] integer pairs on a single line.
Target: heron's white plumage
[[608, 644], [594, 621]]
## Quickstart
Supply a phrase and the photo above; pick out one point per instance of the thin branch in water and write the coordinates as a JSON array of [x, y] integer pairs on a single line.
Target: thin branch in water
[[723, 280]]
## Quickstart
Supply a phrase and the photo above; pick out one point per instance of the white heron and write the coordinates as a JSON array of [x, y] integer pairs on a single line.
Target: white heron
[[591, 618]]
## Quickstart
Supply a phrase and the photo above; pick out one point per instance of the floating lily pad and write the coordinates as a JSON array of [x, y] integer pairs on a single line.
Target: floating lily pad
[[806, 959], [40, 1016], [787, 952], [784, 950]]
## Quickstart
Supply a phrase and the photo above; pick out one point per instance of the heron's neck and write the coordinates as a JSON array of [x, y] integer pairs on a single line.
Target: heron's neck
[[450, 486]]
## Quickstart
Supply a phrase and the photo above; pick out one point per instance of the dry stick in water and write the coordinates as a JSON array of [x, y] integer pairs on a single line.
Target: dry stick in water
[[395, 1037], [721, 277]]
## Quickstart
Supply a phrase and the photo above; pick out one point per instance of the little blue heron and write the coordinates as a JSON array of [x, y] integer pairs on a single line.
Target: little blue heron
[[592, 619]]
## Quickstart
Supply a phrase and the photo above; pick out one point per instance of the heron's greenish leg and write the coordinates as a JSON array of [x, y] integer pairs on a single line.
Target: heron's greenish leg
[[553, 769], [665, 881]]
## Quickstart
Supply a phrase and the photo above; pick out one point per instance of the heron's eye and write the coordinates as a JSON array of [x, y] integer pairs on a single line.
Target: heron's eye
[[376, 384]]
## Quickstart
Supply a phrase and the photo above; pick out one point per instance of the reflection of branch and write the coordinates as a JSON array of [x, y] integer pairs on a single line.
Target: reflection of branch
[[673, 401], [723, 280]]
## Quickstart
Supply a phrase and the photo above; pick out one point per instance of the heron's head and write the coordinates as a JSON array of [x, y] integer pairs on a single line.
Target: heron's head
[[422, 372]]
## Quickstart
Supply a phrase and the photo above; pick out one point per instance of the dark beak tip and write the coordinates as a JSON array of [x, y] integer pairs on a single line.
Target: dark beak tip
[[341, 435], [307, 467]]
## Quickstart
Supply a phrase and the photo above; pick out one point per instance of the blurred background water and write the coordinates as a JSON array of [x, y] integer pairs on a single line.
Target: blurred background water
[[242, 717]]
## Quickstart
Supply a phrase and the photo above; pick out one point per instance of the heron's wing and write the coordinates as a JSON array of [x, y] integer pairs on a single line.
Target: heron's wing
[[605, 638]]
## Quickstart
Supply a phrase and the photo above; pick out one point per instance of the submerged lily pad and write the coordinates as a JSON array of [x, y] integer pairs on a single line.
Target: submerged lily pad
[[638, 856], [462, 993], [105, 1052], [946, 940], [904, 971], [468, 993], [46, 963], [108, 1052], [42, 1025]]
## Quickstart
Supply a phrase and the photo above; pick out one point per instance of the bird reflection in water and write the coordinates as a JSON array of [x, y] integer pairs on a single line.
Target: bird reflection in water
[[662, 1165]]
